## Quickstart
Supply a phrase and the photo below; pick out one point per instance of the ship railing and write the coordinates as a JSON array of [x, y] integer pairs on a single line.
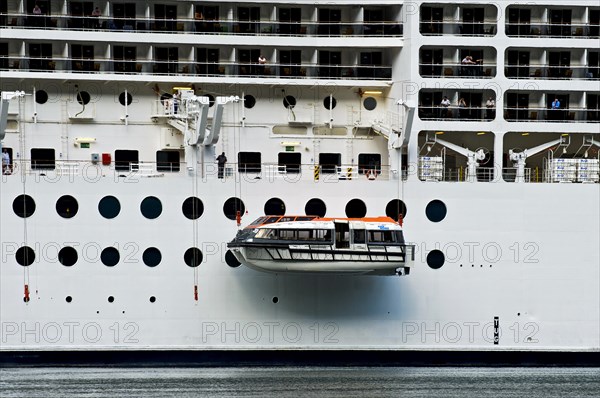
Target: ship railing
[[552, 72], [540, 29], [459, 174], [208, 69], [453, 70], [454, 112], [203, 26], [565, 115], [509, 174], [459, 28]]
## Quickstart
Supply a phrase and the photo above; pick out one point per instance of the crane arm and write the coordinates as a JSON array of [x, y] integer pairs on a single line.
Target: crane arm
[[515, 156], [480, 155]]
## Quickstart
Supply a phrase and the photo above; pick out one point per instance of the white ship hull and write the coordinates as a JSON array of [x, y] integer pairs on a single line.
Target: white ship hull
[[518, 236]]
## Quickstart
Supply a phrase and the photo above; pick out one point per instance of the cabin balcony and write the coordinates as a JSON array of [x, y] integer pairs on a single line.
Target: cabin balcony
[[458, 20], [553, 21], [448, 62], [465, 106], [557, 63], [537, 106]]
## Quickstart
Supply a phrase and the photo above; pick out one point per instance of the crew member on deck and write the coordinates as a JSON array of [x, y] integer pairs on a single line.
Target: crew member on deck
[[5, 162], [221, 160]]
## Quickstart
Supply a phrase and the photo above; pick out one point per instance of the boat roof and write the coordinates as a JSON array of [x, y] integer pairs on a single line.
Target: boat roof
[[266, 220]]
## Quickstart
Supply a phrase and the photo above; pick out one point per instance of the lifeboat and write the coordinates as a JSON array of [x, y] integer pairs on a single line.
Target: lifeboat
[[311, 244]]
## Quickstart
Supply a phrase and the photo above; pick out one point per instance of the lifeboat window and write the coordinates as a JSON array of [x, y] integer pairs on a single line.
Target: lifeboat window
[[287, 234], [271, 220], [42, 158], [259, 221], [304, 234], [266, 233], [305, 218], [286, 219], [359, 236], [381, 236]]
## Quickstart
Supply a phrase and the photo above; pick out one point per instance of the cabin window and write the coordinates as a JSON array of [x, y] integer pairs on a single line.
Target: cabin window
[[42, 159], [126, 160], [249, 162], [167, 160], [381, 236]]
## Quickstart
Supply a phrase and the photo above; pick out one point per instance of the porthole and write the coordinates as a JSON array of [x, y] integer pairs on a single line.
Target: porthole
[[370, 103], [192, 257], [192, 208], [275, 300], [83, 97], [289, 101], [68, 299], [329, 103], [394, 208], [151, 207], [356, 208], [24, 206], [111, 299], [41, 97], [436, 210], [25, 256], [231, 260], [315, 207], [152, 257], [249, 101], [110, 256], [232, 206], [109, 207], [274, 207], [211, 100], [435, 259], [152, 299], [122, 98], [67, 256], [67, 206]]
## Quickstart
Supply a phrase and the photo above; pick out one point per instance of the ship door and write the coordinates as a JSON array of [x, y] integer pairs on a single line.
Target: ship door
[[342, 235]]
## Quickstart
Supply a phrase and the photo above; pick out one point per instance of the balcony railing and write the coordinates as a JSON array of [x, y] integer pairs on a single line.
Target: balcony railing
[[540, 29], [482, 71], [552, 72], [437, 28], [187, 25], [224, 69], [570, 115], [455, 113]]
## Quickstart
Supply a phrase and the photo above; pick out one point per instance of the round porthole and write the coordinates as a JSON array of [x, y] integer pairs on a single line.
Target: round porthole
[[356, 208], [232, 206], [110, 256], [274, 207], [394, 208], [152, 257], [192, 208], [289, 101], [192, 257], [67, 256], [329, 103], [41, 97], [67, 206], [370, 103], [83, 97], [315, 207], [436, 210], [25, 256], [151, 207], [435, 259], [231, 260], [249, 101], [122, 97], [109, 207], [24, 206]]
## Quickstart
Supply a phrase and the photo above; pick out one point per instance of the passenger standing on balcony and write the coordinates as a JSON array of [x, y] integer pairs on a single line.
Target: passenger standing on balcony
[[262, 61], [37, 15], [555, 110], [490, 105], [467, 66], [96, 14], [445, 104], [461, 108], [221, 160]]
